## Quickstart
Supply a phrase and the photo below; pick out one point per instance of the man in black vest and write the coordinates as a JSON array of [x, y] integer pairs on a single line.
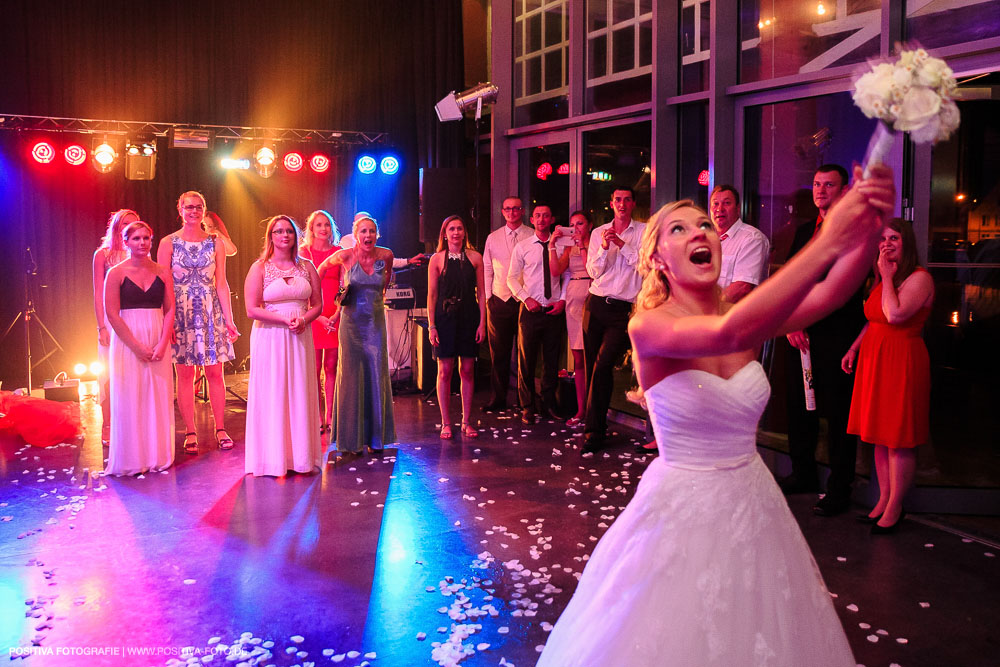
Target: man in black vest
[[826, 341]]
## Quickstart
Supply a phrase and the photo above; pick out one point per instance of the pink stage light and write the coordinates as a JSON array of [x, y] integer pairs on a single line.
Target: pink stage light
[[293, 161], [43, 152], [75, 154], [544, 171], [564, 168], [703, 177], [319, 163]]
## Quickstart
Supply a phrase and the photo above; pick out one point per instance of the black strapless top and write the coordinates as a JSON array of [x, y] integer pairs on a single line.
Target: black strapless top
[[133, 297]]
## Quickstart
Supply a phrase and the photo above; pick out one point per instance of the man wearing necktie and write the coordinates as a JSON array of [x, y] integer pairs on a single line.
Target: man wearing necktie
[[745, 249], [502, 307], [541, 323]]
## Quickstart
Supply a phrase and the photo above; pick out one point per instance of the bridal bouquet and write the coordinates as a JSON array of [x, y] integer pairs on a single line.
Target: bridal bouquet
[[911, 95]]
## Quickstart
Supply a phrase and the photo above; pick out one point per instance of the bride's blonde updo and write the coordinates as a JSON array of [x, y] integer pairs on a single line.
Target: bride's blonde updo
[[655, 288]]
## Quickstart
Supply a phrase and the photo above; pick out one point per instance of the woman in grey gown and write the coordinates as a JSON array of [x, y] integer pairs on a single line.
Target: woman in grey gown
[[363, 414]]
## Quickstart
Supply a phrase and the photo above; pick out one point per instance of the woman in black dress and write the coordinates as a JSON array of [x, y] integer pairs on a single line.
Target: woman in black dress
[[456, 313]]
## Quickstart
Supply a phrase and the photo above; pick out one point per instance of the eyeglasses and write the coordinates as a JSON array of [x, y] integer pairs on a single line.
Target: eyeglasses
[[283, 231], [511, 209], [190, 208]]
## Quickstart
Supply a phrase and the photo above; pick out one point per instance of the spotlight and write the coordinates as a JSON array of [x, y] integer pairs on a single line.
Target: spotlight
[[233, 163], [80, 369], [140, 157], [96, 368], [389, 165], [367, 164], [75, 154], [452, 106], [43, 152], [319, 163], [293, 161], [105, 157], [265, 160]]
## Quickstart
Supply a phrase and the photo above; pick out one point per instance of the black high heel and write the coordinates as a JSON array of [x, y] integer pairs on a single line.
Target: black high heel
[[886, 530], [864, 518]]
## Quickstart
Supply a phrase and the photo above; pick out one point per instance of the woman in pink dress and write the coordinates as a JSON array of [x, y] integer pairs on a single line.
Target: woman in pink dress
[[111, 251], [320, 241], [574, 256]]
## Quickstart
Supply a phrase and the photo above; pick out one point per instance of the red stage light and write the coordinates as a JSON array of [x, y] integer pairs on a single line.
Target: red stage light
[[544, 171], [703, 177], [319, 163], [564, 168], [75, 154], [43, 152], [293, 161]]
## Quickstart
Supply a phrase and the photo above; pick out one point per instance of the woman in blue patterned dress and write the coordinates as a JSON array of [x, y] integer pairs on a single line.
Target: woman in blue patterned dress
[[203, 323]]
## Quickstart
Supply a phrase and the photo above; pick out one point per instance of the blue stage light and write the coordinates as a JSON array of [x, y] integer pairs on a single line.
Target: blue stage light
[[367, 164], [390, 165]]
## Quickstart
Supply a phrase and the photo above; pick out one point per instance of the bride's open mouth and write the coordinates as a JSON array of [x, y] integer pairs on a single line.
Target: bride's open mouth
[[701, 255]]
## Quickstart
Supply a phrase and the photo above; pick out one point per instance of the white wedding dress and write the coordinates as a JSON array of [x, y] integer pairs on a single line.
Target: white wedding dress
[[706, 565]]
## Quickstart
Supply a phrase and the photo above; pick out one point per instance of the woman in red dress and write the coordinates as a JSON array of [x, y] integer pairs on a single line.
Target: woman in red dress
[[892, 386], [319, 242]]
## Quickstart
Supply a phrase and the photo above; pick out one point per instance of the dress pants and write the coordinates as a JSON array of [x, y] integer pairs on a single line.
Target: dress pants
[[539, 331], [605, 341], [833, 389], [501, 326]]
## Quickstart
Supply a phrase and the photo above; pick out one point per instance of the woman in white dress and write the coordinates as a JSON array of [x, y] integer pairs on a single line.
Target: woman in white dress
[[283, 297], [111, 251], [706, 566], [139, 306]]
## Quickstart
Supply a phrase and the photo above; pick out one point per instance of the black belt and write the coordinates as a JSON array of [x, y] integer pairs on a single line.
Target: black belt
[[611, 301], [582, 278]]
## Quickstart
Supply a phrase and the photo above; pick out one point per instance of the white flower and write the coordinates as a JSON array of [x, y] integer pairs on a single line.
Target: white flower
[[872, 91], [918, 107]]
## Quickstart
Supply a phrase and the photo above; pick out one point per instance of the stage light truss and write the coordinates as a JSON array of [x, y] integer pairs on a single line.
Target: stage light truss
[[224, 132]]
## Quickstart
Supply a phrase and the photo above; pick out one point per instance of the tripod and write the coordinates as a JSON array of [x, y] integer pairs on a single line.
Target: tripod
[[30, 315]]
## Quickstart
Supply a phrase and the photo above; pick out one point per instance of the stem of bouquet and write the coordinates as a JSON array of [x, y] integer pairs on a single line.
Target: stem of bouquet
[[879, 146]]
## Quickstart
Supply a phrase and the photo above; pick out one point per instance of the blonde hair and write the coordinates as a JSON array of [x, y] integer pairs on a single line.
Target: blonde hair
[[655, 287], [113, 240], [194, 193], [268, 250], [358, 219], [132, 226], [307, 236]]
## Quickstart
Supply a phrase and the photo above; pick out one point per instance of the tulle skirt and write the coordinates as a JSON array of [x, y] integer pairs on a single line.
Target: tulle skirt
[[142, 404], [707, 567]]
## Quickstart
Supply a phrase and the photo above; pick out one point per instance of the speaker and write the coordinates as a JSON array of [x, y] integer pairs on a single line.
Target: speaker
[[442, 193], [140, 167]]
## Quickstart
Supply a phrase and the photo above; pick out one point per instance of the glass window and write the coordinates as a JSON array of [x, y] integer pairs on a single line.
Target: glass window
[[695, 41], [964, 258], [619, 53], [692, 156], [616, 156], [542, 182], [943, 22], [540, 77], [784, 37]]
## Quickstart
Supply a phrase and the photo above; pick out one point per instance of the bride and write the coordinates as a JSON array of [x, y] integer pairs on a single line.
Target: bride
[[706, 565]]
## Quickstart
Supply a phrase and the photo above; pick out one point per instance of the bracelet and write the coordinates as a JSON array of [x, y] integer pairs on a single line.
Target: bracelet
[[432, 328]]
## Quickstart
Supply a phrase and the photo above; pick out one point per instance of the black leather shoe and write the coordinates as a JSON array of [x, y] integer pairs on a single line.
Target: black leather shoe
[[494, 406], [887, 530], [593, 443], [792, 485], [527, 417], [831, 505]]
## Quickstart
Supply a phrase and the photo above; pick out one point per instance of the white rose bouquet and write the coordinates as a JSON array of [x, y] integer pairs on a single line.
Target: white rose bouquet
[[911, 95]]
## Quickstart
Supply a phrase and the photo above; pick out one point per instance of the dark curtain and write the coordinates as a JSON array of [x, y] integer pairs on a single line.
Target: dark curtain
[[375, 66]]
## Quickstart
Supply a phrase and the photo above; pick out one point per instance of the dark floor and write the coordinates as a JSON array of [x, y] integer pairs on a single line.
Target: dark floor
[[435, 549]]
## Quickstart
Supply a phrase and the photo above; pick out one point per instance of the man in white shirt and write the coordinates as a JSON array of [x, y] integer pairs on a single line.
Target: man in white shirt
[[542, 319], [745, 249], [501, 306], [612, 262]]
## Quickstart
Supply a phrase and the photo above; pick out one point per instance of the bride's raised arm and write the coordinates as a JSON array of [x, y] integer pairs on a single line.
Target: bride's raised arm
[[795, 296]]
